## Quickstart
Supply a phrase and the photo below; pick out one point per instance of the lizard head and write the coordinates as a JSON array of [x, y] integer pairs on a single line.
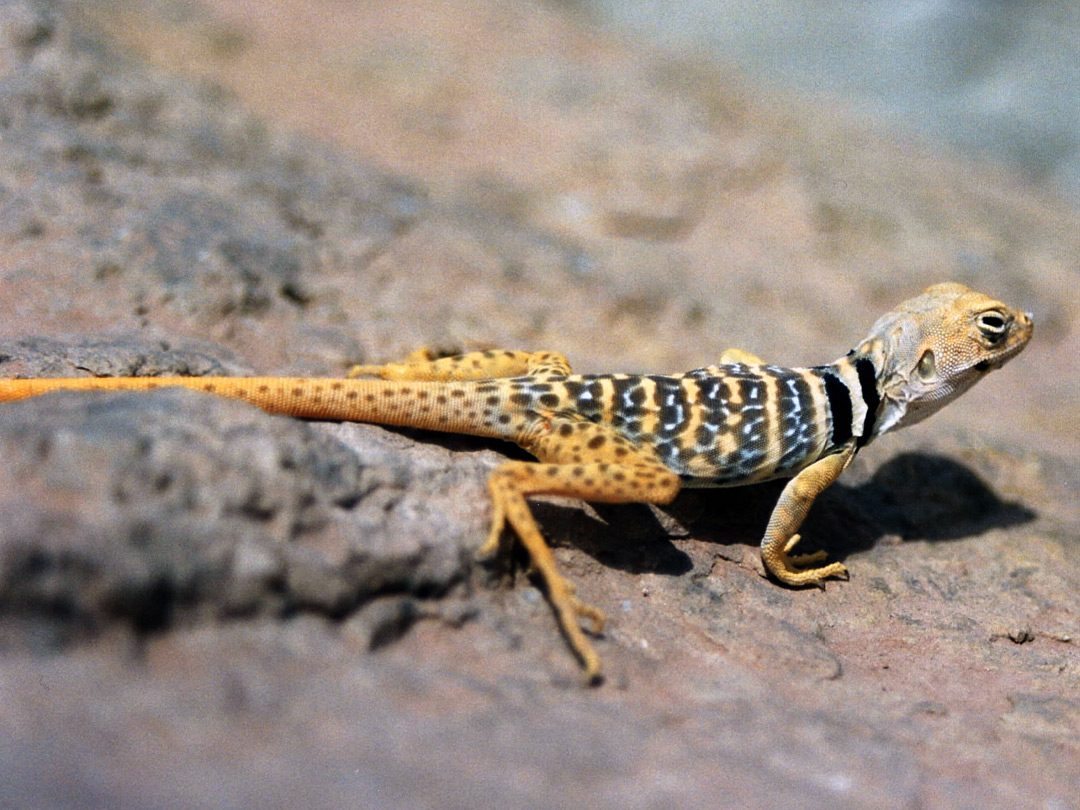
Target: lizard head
[[932, 348]]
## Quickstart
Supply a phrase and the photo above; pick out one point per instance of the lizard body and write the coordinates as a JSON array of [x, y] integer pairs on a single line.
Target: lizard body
[[640, 438]]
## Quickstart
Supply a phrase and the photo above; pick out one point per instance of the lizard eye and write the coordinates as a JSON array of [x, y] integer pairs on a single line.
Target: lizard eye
[[992, 324], [927, 368]]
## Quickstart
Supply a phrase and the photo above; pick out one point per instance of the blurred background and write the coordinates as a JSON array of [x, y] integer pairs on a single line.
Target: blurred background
[[994, 77]]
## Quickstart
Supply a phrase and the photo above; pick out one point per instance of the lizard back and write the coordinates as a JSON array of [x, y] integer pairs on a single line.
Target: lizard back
[[716, 426]]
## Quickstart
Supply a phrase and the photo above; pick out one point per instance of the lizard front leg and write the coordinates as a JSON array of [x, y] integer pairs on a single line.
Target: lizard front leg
[[578, 459], [789, 513]]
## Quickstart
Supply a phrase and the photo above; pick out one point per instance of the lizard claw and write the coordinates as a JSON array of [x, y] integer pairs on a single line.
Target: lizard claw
[[583, 610], [791, 571], [570, 611]]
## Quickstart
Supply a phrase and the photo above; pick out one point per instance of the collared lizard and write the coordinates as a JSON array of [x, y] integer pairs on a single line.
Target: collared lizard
[[622, 438]]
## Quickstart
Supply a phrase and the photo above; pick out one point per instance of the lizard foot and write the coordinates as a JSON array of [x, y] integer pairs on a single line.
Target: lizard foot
[[570, 610], [791, 571], [561, 592]]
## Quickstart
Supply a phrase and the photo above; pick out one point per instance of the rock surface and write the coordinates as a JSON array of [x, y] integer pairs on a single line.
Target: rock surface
[[202, 605]]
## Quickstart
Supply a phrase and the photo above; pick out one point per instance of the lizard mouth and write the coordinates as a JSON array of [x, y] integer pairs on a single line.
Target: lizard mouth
[[992, 364]]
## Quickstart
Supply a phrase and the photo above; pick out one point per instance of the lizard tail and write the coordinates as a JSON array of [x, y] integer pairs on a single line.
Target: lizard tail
[[447, 406]]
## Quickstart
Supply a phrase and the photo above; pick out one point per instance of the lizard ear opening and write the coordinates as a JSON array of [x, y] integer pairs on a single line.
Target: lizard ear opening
[[927, 367]]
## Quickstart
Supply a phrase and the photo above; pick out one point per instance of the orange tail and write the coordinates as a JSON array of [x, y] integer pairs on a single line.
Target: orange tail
[[447, 406]]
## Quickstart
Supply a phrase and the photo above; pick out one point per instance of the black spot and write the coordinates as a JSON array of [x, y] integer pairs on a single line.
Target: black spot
[[549, 400], [752, 391], [629, 391], [520, 399], [704, 436], [597, 441], [669, 415]]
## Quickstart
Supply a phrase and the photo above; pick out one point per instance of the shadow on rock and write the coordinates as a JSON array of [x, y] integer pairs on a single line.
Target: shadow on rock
[[629, 537], [913, 496], [931, 497]]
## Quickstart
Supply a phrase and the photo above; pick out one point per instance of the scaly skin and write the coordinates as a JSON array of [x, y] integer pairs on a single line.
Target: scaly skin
[[621, 438]]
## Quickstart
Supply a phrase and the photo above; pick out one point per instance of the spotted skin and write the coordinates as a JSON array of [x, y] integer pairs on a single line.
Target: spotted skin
[[623, 438]]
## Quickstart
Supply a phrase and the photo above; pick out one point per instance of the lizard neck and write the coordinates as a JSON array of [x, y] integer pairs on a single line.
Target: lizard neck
[[853, 387]]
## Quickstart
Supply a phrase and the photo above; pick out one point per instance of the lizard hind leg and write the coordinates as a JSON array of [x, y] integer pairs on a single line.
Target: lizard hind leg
[[487, 365], [578, 459]]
